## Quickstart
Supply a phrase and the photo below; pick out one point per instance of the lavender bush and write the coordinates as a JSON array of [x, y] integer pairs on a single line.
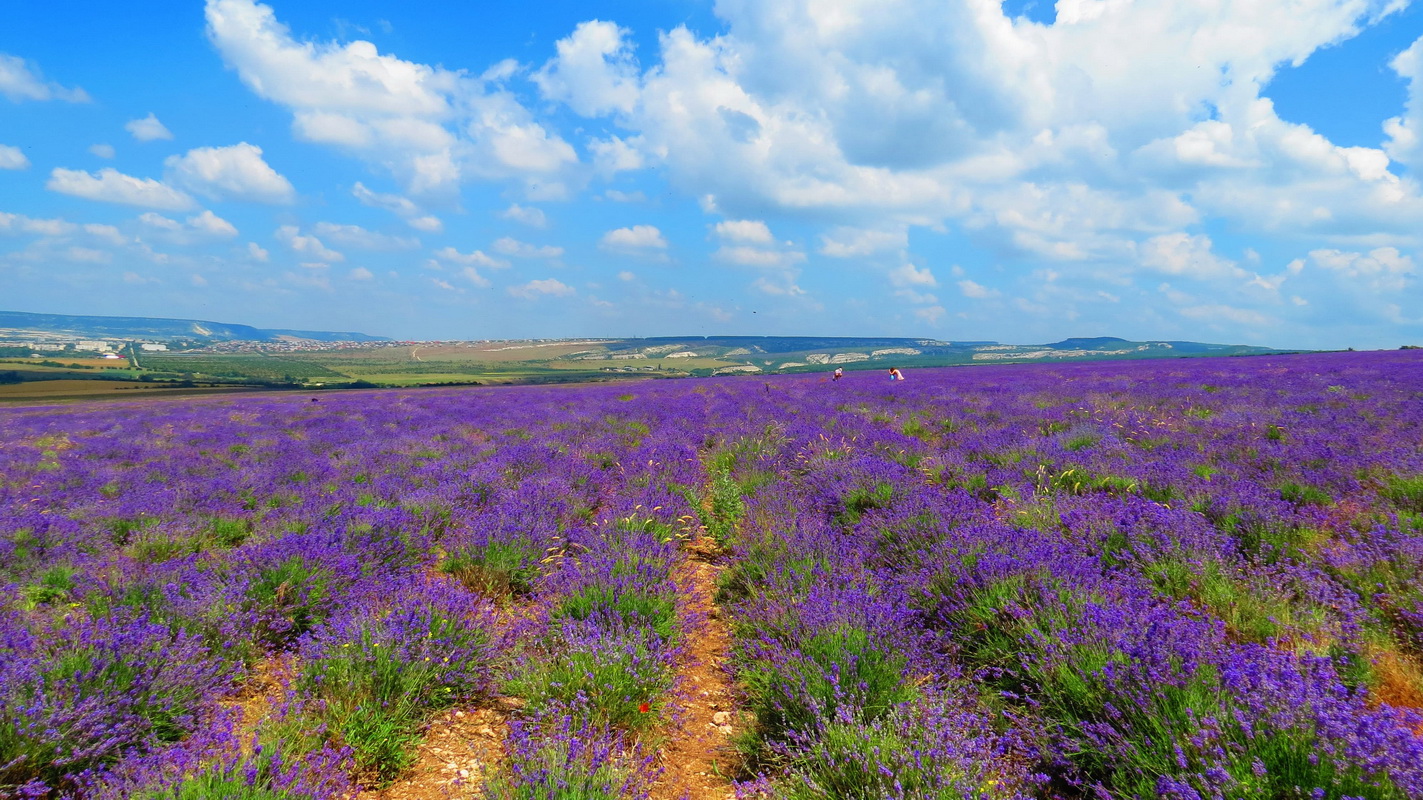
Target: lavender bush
[[1188, 578]]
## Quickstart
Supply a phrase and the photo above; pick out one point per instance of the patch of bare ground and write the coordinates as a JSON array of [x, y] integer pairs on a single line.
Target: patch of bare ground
[[697, 756], [260, 692], [460, 749]]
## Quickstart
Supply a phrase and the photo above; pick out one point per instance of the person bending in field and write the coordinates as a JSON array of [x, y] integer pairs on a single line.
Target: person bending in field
[[839, 373], [895, 374]]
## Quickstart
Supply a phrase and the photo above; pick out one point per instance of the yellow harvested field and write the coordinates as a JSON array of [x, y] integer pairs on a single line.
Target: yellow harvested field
[[679, 364], [103, 363], [503, 351]]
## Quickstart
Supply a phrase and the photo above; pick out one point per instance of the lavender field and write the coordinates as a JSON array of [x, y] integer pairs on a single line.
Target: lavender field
[[1190, 578]]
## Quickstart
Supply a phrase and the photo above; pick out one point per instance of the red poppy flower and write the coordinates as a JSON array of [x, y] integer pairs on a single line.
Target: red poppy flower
[[644, 708]]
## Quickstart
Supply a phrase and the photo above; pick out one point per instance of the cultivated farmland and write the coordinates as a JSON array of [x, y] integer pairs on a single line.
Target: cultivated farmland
[[1172, 578]]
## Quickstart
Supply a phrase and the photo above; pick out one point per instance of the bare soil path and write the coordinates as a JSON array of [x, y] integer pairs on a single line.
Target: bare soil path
[[698, 758], [461, 747]]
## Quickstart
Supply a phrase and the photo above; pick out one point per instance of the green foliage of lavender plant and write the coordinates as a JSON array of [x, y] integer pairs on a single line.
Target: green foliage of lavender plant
[[724, 504], [627, 607], [745, 460], [123, 529], [381, 675], [1406, 492], [605, 681], [86, 692], [758, 566], [55, 586], [924, 750], [290, 598], [214, 765], [1254, 608], [842, 671], [559, 756], [259, 775], [1301, 494], [1133, 725], [152, 547], [213, 787], [498, 568], [863, 498], [1076, 480], [229, 532]]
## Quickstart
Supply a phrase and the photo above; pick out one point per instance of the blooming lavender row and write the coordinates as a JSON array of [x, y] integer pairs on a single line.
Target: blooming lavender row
[[595, 663], [1192, 579], [274, 530], [1157, 599]]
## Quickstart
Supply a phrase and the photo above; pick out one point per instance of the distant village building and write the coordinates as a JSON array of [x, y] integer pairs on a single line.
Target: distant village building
[[92, 344], [154, 347]]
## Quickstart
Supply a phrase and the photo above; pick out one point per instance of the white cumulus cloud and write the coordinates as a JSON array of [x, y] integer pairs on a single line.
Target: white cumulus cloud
[[594, 72], [306, 245], [19, 81], [148, 129], [528, 215], [637, 237], [111, 186], [400, 206], [210, 223], [1405, 132], [541, 288], [746, 256], [910, 275], [513, 247], [236, 172], [1383, 269], [1186, 255], [875, 119], [12, 158], [21, 224], [431, 127], [477, 258], [976, 290], [851, 242], [204, 226], [358, 237], [744, 230]]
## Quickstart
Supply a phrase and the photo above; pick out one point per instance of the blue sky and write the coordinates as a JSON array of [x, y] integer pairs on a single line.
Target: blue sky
[[1021, 170]]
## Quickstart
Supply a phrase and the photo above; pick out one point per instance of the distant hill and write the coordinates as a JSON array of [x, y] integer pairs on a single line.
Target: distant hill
[[753, 354], [159, 329]]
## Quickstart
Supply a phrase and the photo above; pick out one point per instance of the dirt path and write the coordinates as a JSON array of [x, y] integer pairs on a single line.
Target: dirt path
[[460, 749], [698, 758], [261, 693]]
